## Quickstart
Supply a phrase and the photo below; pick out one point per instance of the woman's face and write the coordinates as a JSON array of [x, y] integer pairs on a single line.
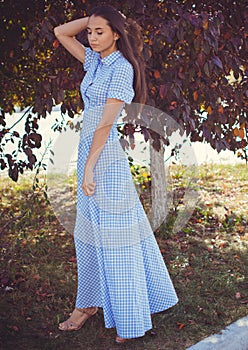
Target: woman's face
[[101, 37]]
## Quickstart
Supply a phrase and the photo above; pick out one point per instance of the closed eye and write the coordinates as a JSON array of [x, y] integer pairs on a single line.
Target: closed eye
[[98, 33]]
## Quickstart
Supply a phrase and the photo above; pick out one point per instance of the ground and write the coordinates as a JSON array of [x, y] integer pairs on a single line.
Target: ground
[[207, 260]]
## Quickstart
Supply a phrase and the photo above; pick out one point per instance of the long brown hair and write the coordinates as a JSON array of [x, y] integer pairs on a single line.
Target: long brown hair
[[130, 44]]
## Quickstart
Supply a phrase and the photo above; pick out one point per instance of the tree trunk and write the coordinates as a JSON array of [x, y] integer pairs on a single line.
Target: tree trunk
[[159, 207]]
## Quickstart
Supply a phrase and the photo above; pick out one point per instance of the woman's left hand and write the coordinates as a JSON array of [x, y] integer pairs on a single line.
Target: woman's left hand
[[88, 184]]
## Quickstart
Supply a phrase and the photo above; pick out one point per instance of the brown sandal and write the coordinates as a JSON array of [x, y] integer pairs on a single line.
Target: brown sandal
[[120, 340], [70, 325]]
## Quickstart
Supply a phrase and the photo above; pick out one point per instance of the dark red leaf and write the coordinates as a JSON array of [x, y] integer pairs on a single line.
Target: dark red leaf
[[156, 143], [145, 133], [162, 91], [217, 62], [13, 172], [34, 140]]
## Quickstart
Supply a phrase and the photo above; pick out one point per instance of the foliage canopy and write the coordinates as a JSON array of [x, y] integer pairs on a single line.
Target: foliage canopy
[[196, 66]]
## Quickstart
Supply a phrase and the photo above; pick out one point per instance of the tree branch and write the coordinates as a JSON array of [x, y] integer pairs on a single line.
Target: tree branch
[[18, 121]]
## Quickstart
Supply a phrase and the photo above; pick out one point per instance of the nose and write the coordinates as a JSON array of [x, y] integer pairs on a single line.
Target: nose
[[93, 37]]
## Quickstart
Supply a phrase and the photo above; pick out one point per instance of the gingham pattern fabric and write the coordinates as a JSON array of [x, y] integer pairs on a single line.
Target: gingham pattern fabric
[[120, 267]]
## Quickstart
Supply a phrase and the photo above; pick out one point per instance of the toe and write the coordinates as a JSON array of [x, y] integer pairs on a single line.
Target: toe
[[62, 326]]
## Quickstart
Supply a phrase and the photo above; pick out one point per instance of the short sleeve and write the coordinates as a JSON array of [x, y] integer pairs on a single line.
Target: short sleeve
[[121, 86], [89, 56]]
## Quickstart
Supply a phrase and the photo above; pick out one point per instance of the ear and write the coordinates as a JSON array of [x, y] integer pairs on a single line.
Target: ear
[[116, 36]]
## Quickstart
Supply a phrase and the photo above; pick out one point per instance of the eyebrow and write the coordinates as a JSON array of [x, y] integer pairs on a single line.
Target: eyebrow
[[95, 28]]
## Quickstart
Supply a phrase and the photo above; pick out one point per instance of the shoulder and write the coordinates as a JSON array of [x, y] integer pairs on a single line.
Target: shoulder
[[122, 61], [123, 65]]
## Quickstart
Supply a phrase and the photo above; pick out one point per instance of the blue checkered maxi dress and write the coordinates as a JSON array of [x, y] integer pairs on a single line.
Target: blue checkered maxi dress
[[120, 267]]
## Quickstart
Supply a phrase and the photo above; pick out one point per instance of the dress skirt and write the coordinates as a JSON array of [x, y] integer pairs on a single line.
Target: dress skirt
[[120, 266]]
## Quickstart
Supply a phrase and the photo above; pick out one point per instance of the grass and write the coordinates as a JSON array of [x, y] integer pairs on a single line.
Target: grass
[[207, 260]]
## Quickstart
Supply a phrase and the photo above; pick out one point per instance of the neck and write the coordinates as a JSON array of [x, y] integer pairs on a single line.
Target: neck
[[109, 50]]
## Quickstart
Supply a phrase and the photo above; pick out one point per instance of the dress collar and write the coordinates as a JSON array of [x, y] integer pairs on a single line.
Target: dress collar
[[108, 60]]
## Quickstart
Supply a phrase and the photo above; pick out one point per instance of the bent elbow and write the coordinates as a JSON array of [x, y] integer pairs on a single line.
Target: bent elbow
[[56, 31]]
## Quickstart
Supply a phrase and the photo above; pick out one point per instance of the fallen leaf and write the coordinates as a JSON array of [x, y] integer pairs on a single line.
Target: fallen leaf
[[244, 301], [238, 295], [180, 325], [73, 259]]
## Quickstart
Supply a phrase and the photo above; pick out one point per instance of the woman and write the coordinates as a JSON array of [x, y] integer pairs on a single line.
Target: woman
[[120, 267]]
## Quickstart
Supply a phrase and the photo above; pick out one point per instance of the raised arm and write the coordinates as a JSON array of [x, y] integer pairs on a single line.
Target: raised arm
[[65, 33]]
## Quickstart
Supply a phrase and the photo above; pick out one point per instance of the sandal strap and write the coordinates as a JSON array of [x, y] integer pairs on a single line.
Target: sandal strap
[[88, 310]]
